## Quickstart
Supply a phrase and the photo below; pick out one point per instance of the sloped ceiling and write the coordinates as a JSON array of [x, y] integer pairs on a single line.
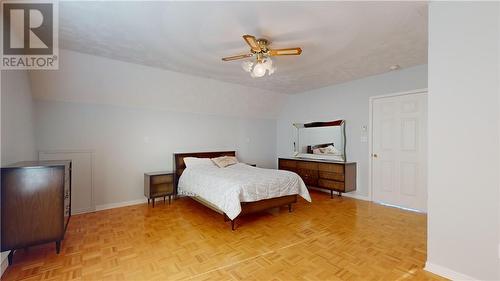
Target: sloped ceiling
[[341, 41]]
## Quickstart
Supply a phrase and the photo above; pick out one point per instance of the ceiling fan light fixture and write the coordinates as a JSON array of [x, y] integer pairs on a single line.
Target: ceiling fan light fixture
[[247, 66], [271, 70], [259, 49], [259, 70]]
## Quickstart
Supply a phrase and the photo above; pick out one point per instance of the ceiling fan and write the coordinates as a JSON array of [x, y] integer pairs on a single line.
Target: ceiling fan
[[259, 48]]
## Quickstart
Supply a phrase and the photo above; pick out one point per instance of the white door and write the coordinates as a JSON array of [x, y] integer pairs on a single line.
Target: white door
[[399, 151], [82, 200]]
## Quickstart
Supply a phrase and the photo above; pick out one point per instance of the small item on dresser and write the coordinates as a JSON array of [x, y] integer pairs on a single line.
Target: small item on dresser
[[225, 161], [159, 184]]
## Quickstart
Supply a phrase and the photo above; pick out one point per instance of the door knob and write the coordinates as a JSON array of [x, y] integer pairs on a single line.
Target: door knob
[[374, 155]]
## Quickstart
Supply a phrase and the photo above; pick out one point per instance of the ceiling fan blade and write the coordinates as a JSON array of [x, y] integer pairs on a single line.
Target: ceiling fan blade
[[285, 52], [252, 42], [237, 57]]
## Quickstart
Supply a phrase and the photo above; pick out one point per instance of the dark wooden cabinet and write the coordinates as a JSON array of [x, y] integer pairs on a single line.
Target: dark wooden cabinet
[[158, 184], [331, 175], [36, 204]]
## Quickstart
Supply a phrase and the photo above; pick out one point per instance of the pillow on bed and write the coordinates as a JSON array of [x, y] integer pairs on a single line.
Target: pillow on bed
[[198, 162], [225, 161]]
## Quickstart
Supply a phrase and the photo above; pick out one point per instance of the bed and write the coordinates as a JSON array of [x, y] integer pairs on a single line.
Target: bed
[[239, 189]]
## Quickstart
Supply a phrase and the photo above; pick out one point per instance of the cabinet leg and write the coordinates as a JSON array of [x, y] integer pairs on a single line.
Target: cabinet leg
[[149, 200], [10, 257], [340, 194], [153, 201], [58, 247], [169, 199], [232, 224]]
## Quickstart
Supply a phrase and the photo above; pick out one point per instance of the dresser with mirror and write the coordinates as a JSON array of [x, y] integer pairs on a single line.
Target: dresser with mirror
[[319, 157]]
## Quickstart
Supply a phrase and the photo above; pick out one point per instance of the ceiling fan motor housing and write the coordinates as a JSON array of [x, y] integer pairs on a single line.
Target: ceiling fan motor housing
[[263, 43]]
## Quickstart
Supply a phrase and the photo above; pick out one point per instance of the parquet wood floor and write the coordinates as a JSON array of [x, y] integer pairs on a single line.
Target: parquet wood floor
[[330, 239]]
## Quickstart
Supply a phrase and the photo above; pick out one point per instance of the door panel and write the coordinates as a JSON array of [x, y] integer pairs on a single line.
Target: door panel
[[399, 151], [81, 178]]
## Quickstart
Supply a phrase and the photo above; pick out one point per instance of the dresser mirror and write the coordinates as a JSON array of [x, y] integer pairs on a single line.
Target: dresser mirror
[[320, 140]]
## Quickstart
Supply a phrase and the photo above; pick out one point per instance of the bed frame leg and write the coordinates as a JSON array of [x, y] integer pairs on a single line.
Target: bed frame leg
[[232, 224], [290, 208], [331, 194], [225, 217]]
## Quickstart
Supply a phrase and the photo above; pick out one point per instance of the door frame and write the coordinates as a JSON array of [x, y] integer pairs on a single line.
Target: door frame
[[370, 132], [91, 152]]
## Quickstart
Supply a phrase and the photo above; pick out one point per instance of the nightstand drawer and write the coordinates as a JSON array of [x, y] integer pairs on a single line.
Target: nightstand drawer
[[162, 179], [162, 189]]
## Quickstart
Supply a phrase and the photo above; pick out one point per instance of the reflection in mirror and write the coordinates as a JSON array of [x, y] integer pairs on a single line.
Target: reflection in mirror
[[320, 140]]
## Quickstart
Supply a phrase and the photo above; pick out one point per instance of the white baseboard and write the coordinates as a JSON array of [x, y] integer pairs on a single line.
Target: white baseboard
[[351, 195], [446, 272], [120, 204], [356, 196], [4, 262]]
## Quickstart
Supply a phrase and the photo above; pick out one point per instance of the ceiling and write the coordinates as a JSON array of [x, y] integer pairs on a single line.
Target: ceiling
[[341, 41]]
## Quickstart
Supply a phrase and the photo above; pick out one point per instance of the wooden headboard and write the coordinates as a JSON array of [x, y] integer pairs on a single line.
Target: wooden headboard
[[179, 164]]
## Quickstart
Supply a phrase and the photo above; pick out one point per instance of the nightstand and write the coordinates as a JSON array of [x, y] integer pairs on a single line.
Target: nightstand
[[158, 184]]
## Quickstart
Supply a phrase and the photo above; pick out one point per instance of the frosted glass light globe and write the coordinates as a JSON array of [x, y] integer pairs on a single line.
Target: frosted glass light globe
[[271, 70], [259, 70], [247, 66]]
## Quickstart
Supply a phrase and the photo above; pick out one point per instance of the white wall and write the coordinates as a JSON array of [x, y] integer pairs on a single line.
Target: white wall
[[97, 80], [134, 117], [349, 101], [128, 142], [17, 129], [18, 142], [463, 180]]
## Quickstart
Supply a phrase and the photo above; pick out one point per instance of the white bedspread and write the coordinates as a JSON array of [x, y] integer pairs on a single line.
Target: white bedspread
[[227, 187]]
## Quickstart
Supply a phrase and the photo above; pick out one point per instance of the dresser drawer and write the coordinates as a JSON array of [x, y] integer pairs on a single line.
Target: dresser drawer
[[307, 165], [331, 176], [162, 179], [288, 169], [162, 189], [310, 177], [283, 164], [333, 168], [335, 185]]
